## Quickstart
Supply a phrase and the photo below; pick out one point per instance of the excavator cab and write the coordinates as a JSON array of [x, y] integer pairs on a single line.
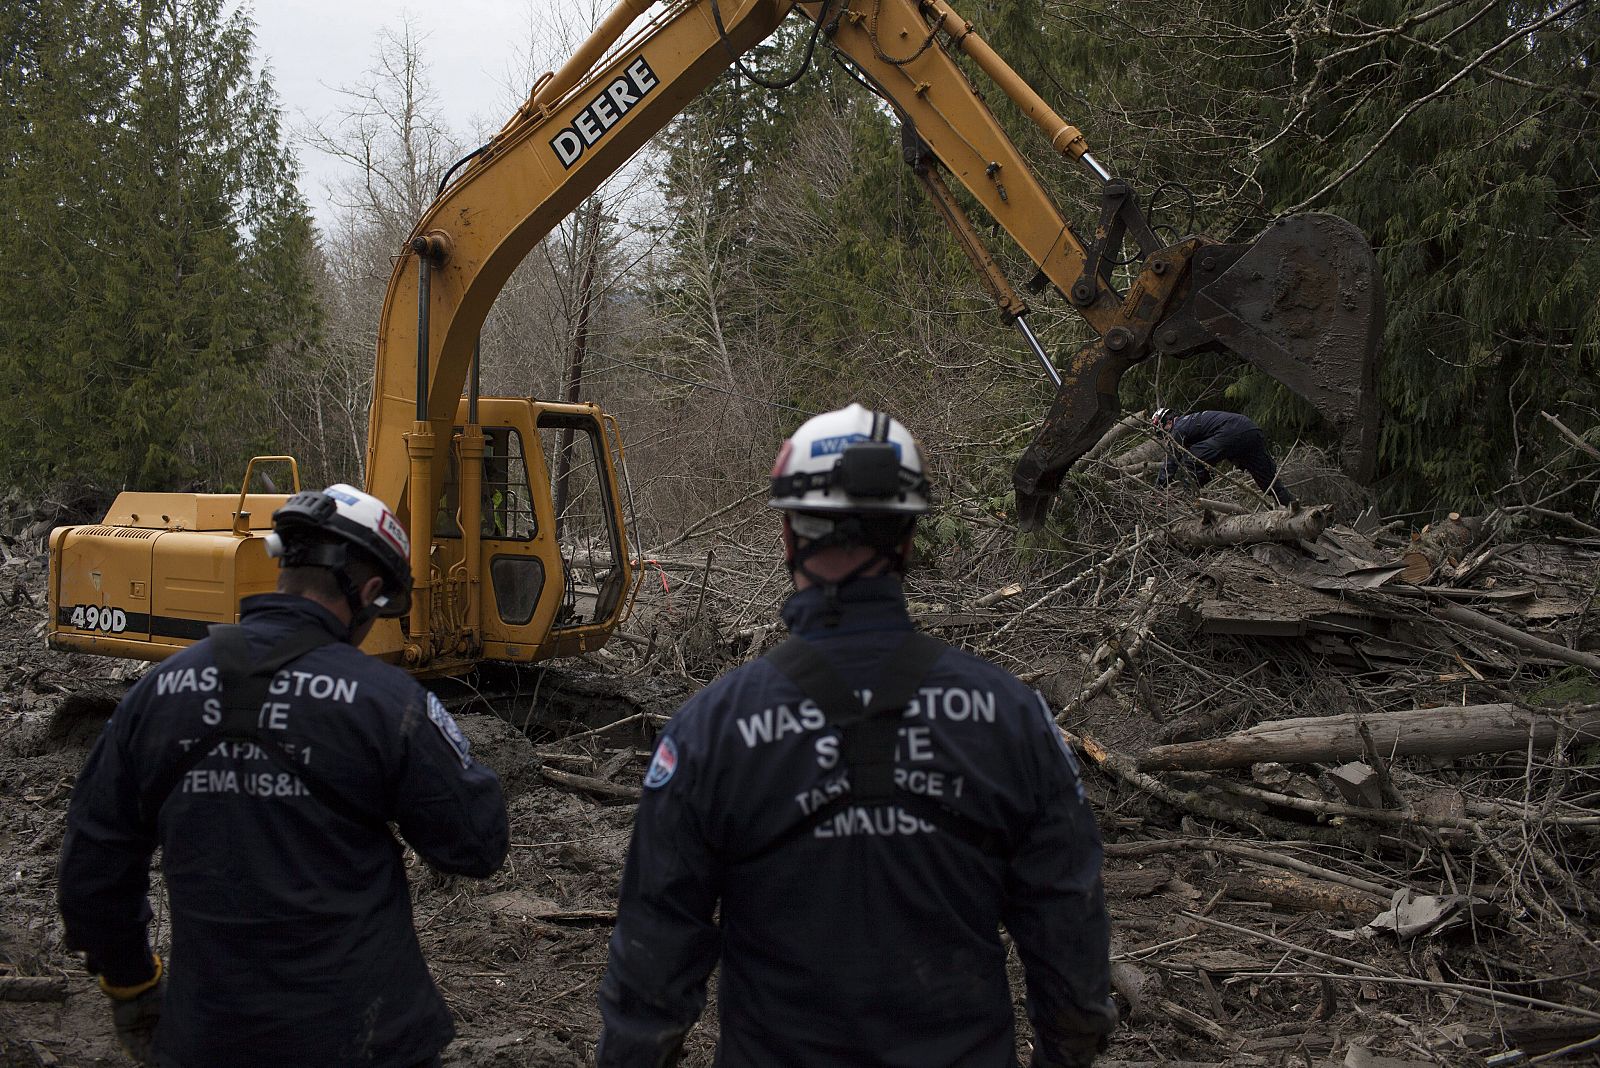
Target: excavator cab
[[552, 576]]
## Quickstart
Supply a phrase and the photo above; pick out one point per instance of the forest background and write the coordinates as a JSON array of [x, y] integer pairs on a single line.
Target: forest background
[[172, 308]]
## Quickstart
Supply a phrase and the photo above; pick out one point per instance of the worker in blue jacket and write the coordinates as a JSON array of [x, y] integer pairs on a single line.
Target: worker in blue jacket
[[1200, 440], [267, 761], [867, 806]]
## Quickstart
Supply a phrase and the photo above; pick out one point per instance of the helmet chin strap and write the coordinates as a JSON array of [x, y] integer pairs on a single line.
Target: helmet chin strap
[[360, 614], [830, 587], [333, 558]]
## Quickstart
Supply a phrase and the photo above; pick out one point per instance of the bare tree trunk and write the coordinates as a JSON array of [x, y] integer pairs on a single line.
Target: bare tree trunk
[[580, 348], [1454, 731]]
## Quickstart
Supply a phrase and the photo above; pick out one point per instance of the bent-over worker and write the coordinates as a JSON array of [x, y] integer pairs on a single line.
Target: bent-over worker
[[1203, 439], [267, 762], [864, 858]]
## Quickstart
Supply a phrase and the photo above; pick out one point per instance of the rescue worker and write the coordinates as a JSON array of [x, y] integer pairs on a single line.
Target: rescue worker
[[267, 762], [863, 858], [1199, 440]]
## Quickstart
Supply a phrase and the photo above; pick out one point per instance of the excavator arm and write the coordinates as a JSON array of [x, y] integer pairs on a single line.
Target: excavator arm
[[491, 576], [1302, 302]]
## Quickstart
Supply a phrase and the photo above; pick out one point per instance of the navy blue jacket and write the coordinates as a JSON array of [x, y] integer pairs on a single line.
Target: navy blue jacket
[[1208, 438], [292, 938], [874, 938], [1190, 430]]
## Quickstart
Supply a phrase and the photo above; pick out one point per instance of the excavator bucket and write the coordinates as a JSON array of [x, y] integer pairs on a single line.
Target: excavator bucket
[[1304, 303]]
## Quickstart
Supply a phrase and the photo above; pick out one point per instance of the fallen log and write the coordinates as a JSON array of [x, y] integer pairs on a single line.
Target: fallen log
[[1537, 1036], [1307, 895], [591, 785], [1450, 731], [1283, 524], [1135, 882], [1437, 545], [1147, 455]]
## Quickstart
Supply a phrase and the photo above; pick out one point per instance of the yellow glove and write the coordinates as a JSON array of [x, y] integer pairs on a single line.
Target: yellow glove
[[135, 1011]]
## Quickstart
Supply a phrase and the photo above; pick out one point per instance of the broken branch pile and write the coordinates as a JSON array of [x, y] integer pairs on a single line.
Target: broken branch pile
[[1284, 735]]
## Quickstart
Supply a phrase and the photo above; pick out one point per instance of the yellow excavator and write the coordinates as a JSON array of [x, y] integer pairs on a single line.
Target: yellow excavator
[[513, 561]]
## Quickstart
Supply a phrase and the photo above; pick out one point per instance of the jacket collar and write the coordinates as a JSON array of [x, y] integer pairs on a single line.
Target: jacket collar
[[281, 611], [865, 604]]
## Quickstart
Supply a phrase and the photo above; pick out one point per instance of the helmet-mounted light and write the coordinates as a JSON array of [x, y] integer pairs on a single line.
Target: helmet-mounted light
[[869, 469]]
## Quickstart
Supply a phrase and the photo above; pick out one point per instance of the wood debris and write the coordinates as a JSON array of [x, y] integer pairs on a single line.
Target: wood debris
[[1285, 741]]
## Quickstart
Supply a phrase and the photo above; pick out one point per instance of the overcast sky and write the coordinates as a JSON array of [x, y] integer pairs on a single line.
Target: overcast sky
[[471, 48]]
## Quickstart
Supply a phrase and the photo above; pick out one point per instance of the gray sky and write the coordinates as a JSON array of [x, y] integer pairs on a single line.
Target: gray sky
[[471, 48]]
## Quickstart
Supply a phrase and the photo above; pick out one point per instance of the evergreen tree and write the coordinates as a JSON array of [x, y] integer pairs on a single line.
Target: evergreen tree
[[170, 237], [64, 87]]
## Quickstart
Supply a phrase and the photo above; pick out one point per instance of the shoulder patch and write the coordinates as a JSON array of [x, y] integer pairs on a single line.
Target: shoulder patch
[[447, 727], [662, 765]]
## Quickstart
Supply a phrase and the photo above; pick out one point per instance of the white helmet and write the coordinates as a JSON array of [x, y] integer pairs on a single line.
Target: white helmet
[[1161, 415], [853, 461], [315, 528]]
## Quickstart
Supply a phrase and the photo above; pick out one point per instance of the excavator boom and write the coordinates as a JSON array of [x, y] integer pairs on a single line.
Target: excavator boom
[[1303, 302]]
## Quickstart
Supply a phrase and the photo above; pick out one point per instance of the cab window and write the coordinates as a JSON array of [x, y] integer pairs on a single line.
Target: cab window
[[508, 512], [586, 526]]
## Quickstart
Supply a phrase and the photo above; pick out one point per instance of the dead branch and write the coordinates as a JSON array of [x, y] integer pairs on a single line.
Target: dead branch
[[1119, 430], [625, 721], [1126, 550], [1373, 973], [1258, 856], [1468, 617], [1190, 1021], [694, 528], [1376, 815], [1125, 769], [1565, 517], [994, 597], [1562, 429], [1121, 649]]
